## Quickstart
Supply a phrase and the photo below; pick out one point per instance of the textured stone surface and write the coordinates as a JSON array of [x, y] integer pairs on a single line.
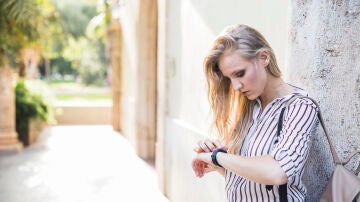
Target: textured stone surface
[[325, 47]]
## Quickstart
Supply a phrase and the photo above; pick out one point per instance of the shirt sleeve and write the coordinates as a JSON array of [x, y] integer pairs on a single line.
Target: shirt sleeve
[[294, 141]]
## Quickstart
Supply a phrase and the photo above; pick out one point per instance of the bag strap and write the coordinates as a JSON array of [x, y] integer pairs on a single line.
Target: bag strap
[[283, 187], [357, 171], [332, 148], [350, 157]]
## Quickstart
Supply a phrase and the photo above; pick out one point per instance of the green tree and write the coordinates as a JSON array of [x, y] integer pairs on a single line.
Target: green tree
[[83, 46], [27, 23], [76, 15], [17, 25]]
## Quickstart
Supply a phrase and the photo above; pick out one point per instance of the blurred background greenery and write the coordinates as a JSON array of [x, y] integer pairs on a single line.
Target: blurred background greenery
[[69, 37]]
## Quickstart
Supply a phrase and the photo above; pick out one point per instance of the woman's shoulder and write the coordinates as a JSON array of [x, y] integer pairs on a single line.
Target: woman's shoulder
[[300, 97]]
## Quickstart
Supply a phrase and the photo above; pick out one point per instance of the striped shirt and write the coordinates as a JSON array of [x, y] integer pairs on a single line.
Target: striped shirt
[[291, 150]]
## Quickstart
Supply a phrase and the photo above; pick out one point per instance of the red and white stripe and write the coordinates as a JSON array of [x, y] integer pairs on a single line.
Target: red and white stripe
[[291, 150]]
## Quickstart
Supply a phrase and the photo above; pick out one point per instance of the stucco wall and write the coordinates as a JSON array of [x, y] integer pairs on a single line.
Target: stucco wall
[[191, 26], [324, 59], [129, 20]]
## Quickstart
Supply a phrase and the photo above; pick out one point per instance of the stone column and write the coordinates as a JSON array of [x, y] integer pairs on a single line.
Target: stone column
[[8, 136], [115, 52], [324, 59], [146, 89]]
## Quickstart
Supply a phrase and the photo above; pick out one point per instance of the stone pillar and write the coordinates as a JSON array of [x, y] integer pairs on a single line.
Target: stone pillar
[[146, 89], [29, 59], [115, 58], [8, 136], [324, 59]]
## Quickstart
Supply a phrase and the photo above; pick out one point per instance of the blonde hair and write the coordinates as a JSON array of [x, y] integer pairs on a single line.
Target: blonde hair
[[231, 110]]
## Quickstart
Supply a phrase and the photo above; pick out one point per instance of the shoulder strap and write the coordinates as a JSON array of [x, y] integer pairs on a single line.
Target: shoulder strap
[[283, 187]]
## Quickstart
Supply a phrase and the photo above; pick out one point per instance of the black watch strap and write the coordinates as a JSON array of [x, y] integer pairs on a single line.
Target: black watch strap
[[213, 156]]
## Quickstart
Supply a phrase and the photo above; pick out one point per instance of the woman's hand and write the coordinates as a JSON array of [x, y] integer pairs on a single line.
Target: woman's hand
[[207, 145], [202, 163], [199, 167]]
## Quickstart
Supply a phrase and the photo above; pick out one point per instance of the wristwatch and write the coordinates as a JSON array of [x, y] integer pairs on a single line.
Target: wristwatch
[[213, 156]]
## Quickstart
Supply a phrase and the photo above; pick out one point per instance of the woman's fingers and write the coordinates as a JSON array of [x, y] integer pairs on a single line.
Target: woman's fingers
[[203, 146], [195, 167], [209, 168], [202, 163], [198, 149], [217, 143], [207, 145], [210, 145], [199, 167]]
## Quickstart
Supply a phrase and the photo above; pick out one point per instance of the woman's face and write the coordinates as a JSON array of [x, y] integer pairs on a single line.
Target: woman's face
[[247, 76]]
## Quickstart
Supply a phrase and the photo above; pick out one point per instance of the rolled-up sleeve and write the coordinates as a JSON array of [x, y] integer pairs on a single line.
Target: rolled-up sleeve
[[292, 149]]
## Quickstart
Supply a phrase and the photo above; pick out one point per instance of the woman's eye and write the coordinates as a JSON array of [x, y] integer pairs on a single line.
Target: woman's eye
[[240, 74]]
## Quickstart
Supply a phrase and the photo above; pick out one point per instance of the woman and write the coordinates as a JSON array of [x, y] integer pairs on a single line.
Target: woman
[[246, 96]]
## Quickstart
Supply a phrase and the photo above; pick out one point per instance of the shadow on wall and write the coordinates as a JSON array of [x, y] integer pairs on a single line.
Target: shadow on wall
[[316, 172]]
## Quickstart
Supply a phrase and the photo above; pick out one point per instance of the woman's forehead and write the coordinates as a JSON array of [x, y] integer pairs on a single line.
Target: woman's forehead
[[232, 61]]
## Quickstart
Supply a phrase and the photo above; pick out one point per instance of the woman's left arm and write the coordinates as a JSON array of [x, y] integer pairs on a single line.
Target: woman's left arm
[[288, 156], [261, 169]]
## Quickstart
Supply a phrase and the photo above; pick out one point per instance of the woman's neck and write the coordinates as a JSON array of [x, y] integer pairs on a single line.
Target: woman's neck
[[275, 88]]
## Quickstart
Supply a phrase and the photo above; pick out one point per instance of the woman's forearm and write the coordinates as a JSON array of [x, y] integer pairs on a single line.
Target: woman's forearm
[[261, 169]]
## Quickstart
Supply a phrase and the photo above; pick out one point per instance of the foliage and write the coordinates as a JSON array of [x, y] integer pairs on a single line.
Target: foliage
[[76, 15], [17, 25], [56, 28], [91, 70], [85, 52], [28, 106], [75, 50], [27, 23], [62, 66], [98, 25]]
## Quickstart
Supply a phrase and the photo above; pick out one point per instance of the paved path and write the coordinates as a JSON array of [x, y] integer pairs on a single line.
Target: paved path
[[78, 164]]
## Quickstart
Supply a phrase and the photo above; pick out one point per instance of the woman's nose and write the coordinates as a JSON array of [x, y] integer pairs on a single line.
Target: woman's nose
[[236, 85]]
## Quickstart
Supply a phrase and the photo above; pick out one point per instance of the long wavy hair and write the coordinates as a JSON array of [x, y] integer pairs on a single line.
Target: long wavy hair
[[232, 112]]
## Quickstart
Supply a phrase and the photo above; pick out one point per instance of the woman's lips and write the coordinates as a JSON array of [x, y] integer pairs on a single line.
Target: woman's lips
[[246, 93]]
